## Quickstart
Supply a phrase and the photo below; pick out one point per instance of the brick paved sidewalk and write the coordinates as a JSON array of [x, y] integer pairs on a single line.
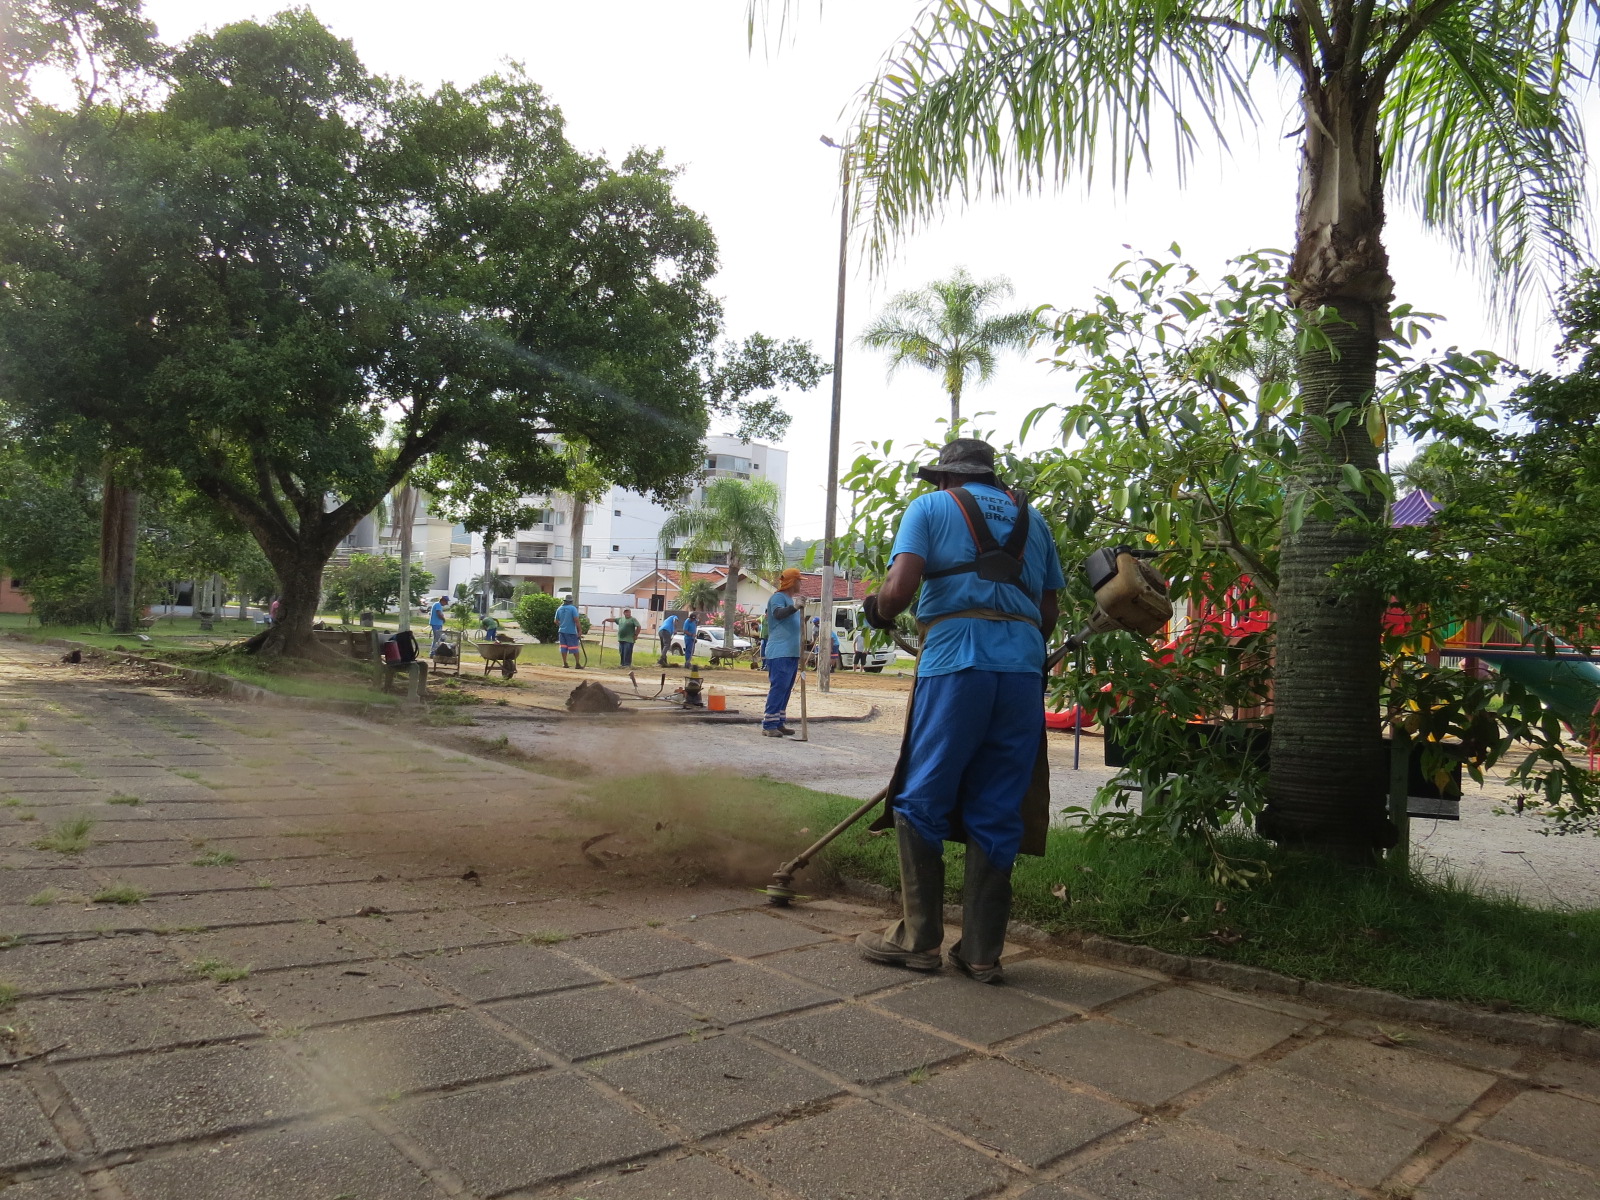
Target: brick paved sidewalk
[[464, 1039]]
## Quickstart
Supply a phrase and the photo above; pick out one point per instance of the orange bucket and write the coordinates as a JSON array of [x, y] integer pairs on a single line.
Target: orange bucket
[[716, 701]]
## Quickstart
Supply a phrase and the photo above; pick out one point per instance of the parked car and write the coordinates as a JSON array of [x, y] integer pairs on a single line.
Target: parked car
[[708, 637]]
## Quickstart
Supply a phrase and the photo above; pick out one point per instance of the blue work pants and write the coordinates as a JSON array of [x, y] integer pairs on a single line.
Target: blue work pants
[[974, 737], [780, 682], [625, 653]]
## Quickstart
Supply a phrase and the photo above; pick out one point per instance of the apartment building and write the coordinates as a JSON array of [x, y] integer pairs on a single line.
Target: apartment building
[[622, 530]]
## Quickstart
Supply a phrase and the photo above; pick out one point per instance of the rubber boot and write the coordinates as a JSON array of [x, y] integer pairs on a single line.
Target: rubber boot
[[985, 912], [914, 940]]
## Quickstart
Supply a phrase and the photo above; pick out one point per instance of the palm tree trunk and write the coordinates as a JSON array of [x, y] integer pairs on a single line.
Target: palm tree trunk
[[1327, 782], [488, 551], [955, 406], [406, 518]]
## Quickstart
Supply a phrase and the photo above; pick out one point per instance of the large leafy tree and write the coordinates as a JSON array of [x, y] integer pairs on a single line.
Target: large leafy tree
[[737, 516], [294, 281], [1462, 109], [953, 329]]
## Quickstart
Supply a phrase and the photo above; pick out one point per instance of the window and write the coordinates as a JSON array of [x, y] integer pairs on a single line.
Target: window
[[588, 516], [586, 552], [533, 552], [658, 602], [561, 551], [615, 549], [616, 512]]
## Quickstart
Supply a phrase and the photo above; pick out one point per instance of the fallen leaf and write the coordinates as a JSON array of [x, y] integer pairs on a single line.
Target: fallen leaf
[[1221, 906], [1060, 893], [1383, 1039]]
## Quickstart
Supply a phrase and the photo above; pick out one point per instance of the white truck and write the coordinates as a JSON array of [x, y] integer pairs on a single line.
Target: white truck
[[881, 652]]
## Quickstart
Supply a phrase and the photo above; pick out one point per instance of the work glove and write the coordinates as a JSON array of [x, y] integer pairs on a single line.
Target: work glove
[[869, 613]]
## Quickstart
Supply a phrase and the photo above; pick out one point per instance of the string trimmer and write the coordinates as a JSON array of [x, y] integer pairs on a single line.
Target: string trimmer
[[1128, 595]]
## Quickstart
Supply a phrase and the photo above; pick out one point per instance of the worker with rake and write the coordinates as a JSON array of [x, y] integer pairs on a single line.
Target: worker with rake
[[972, 765]]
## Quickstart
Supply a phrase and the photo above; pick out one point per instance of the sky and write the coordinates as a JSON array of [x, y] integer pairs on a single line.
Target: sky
[[744, 127]]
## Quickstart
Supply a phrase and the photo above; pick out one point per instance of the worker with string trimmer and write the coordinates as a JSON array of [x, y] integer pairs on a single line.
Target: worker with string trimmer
[[972, 764]]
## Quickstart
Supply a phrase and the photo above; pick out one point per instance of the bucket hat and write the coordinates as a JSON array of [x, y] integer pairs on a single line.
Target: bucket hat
[[963, 456]]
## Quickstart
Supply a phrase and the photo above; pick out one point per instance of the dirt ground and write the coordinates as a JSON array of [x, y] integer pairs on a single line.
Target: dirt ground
[[1492, 851]]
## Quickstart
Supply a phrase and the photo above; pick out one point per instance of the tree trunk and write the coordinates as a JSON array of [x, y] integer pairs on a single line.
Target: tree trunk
[[488, 553], [730, 600], [119, 546], [1327, 780], [405, 515], [299, 572], [579, 507], [955, 408]]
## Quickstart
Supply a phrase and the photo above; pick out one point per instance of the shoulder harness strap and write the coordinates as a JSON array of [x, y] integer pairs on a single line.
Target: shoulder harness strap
[[994, 562]]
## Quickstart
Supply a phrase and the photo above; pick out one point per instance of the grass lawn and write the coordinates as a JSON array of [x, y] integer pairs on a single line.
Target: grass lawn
[[181, 641], [1311, 919]]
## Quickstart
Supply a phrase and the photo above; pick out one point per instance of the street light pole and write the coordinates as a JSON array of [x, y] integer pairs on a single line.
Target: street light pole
[[831, 511]]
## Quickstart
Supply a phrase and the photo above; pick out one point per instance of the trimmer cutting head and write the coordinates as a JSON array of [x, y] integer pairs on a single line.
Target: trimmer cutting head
[[781, 890]]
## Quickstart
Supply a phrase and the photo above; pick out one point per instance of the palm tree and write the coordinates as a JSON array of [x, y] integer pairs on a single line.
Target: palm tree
[[735, 516], [696, 595], [1465, 110], [950, 327]]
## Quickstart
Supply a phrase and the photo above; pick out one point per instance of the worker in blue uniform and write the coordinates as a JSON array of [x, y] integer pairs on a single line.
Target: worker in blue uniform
[[989, 575]]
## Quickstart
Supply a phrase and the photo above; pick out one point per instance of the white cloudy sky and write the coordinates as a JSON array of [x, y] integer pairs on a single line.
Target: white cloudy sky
[[744, 127]]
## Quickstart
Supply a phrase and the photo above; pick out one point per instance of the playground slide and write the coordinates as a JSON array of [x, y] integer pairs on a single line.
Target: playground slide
[[1571, 688]]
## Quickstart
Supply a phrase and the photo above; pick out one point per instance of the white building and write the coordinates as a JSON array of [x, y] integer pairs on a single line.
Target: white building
[[622, 530]]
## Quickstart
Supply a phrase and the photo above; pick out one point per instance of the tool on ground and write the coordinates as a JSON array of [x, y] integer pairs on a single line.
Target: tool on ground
[[1128, 595], [805, 725]]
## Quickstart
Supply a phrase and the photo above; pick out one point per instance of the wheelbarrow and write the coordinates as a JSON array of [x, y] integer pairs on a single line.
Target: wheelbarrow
[[503, 653]]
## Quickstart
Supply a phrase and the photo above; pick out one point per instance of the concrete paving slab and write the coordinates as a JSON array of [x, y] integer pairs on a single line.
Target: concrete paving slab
[[1121, 1061], [219, 910], [972, 1011], [1017, 1111], [1392, 1076], [321, 995], [637, 952], [27, 1139], [691, 1178], [498, 972], [393, 1055], [859, 1045], [835, 916], [1578, 1076], [522, 1134], [332, 900], [66, 917], [17, 886], [425, 932], [65, 1184], [590, 1021], [549, 917], [1208, 1022], [180, 880], [271, 947], [749, 934], [1312, 1125], [841, 968], [184, 1094], [1078, 984], [714, 1085], [1469, 1051], [336, 1158], [1561, 1126], [861, 1150], [142, 1019], [1487, 1172], [89, 963], [1171, 1165], [168, 850], [729, 993]]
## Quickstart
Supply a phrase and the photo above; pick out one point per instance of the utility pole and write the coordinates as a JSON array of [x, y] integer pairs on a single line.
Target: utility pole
[[831, 511]]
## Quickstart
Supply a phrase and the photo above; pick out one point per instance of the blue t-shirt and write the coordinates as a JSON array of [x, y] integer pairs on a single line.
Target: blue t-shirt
[[783, 633], [934, 529], [669, 626], [567, 618], [690, 628], [436, 615]]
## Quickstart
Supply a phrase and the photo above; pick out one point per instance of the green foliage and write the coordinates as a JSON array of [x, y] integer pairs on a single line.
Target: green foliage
[[737, 517], [70, 835], [535, 615], [49, 540], [697, 595], [370, 583], [1182, 434]]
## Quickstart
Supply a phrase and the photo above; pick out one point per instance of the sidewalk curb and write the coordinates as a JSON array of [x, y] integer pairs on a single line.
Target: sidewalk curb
[[1522, 1029]]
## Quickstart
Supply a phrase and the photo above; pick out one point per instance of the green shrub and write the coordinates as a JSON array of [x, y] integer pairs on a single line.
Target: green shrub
[[535, 615]]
